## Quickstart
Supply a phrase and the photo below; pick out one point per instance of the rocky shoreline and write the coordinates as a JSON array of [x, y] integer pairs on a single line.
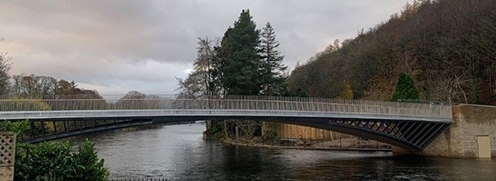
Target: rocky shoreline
[[345, 144]]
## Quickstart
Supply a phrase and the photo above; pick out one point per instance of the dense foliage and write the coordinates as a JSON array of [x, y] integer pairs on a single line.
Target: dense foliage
[[448, 47], [54, 161]]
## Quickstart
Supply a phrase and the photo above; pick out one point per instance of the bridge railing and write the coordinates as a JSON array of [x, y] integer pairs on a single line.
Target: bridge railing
[[235, 103], [360, 106]]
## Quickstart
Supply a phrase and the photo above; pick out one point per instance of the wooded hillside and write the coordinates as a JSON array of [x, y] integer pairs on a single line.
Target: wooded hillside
[[448, 47]]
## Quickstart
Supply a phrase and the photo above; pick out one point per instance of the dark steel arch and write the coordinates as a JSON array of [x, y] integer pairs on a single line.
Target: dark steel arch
[[407, 133]]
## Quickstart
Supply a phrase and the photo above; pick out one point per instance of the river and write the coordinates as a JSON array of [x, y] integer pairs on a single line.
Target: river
[[178, 152]]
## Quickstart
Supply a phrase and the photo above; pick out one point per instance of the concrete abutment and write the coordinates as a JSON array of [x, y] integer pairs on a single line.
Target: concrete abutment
[[461, 139]]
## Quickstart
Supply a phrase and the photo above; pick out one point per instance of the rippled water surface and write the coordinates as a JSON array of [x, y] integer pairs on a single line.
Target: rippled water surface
[[178, 152]]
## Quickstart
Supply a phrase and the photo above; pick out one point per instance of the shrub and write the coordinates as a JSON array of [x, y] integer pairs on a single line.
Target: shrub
[[54, 161]]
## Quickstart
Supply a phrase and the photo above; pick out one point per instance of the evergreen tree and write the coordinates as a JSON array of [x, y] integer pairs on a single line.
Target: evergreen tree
[[298, 92], [405, 89], [271, 67], [239, 57]]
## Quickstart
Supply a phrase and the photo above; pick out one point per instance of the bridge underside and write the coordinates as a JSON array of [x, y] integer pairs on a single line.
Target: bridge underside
[[412, 135]]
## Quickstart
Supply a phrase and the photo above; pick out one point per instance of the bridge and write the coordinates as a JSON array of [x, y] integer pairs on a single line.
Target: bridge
[[412, 126]]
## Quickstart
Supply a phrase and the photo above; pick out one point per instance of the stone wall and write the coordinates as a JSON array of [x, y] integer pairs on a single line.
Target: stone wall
[[460, 140]]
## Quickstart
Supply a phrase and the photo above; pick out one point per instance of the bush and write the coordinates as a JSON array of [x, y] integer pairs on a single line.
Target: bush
[[54, 161], [88, 164], [45, 161]]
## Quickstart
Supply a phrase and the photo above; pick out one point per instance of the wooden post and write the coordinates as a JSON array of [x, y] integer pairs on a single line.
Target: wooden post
[[7, 160]]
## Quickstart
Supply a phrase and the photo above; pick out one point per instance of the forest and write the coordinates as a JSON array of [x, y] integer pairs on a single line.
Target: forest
[[448, 48]]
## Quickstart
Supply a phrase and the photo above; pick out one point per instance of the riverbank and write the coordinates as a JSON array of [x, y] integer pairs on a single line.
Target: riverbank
[[345, 144]]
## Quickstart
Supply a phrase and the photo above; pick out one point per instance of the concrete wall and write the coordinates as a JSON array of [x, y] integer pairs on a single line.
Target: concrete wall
[[460, 140]]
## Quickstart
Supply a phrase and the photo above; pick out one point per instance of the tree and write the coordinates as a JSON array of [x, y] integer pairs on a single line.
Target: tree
[[65, 88], [202, 81], [236, 68], [239, 57], [271, 68], [405, 89], [47, 87], [132, 100], [191, 87], [346, 93], [4, 73], [134, 95], [205, 66], [69, 90], [33, 86]]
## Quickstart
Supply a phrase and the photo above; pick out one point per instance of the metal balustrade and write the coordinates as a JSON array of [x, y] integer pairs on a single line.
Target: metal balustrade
[[240, 103]]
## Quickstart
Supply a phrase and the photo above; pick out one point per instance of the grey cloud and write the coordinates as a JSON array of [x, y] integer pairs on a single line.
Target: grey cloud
[[115, 45]]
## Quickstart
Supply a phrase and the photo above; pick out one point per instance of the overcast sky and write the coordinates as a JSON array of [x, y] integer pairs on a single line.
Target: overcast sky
[[122, 45]]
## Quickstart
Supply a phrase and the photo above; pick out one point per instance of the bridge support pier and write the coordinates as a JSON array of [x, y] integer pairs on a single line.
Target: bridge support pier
[[460, 140]]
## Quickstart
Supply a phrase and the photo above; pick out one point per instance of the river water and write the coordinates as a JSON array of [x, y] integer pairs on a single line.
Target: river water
[[178, 152]]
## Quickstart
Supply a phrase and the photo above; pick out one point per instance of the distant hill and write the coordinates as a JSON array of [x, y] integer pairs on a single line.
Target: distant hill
[[448, 47]]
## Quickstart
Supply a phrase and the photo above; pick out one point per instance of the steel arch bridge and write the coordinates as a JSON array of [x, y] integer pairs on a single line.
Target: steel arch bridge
[[409, 125]]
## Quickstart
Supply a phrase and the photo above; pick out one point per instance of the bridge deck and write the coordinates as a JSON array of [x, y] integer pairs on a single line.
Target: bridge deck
[[409, 125]]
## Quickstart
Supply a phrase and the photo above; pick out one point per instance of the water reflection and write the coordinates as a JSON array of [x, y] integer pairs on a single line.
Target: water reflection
[[179, 153]]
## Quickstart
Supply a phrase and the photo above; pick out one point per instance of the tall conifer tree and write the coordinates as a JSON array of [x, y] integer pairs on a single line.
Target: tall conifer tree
[[405, 89], [239, 57], [271, 67]]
